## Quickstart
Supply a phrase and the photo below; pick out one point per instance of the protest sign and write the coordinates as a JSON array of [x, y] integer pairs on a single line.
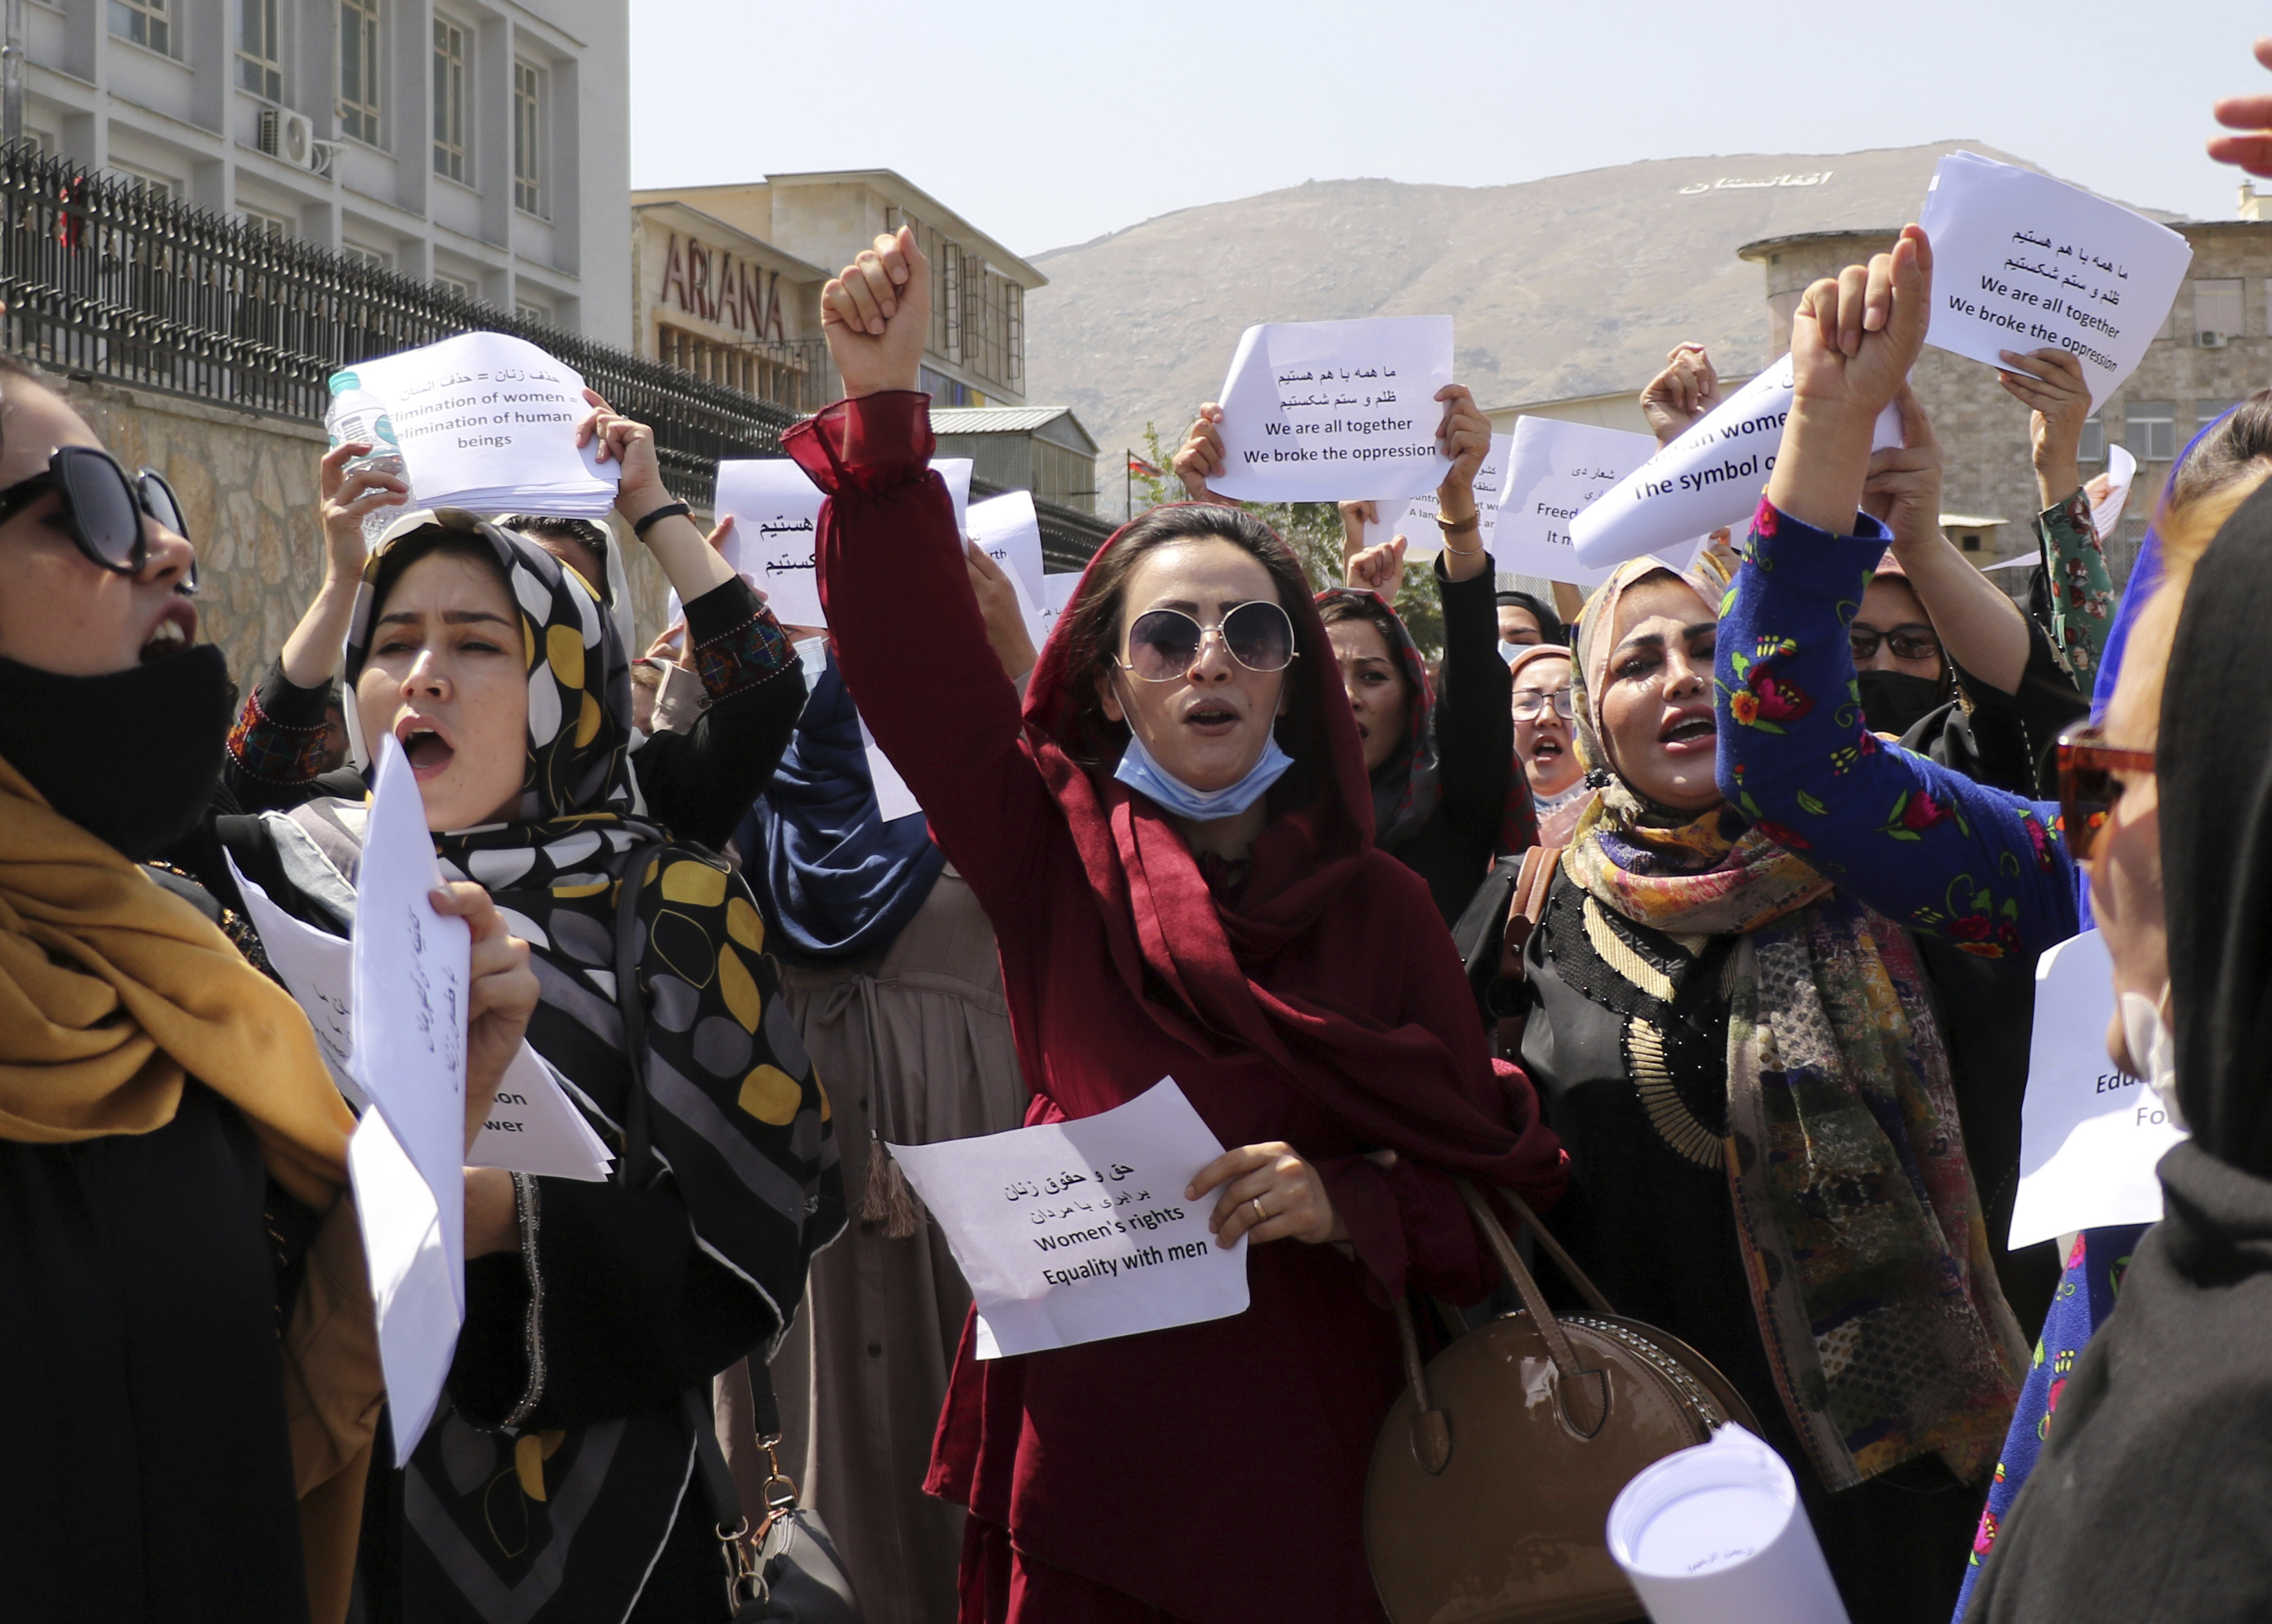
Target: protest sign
[[894, 799], [1057, 592], [2022, 261], [1074, 1232], [531, 1126], [1556, 470], [1715, 1534], [1010, 530], [1331, 411], [487, 422], [2089, 1135], [2106, 510], [1416, 523], [776, 511], [1712, 475], [408, 978]]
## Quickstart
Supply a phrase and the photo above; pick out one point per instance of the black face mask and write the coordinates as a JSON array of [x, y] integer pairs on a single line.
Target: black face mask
[[1895, 701], [131, 757]]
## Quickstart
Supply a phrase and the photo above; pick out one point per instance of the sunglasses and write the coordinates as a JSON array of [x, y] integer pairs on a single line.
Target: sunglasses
[[2087, 787], [103, 507], [1529, 703], [1909, 642], [1165, 643]]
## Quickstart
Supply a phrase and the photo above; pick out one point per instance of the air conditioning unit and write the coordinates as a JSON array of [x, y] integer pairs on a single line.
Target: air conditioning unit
[[289, 136], [2212, 341]]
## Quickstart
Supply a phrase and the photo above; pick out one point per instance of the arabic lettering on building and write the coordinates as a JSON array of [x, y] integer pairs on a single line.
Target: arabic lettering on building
[[1729, 183]]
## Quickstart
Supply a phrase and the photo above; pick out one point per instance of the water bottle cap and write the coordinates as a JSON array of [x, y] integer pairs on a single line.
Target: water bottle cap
[[342, 382]]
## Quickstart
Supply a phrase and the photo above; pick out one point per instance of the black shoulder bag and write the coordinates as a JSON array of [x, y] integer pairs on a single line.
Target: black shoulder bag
[[794, 1576]]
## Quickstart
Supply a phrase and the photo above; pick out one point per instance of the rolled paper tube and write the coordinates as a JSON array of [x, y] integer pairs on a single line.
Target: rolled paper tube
[[1715, 1535]]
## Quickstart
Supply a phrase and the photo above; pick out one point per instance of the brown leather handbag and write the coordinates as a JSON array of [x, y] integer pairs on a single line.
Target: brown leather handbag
[[1489, 1497]]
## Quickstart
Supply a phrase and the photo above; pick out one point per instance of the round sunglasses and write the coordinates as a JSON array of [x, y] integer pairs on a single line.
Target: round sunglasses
[[1165, 643], [2088, 786], [103, 507]]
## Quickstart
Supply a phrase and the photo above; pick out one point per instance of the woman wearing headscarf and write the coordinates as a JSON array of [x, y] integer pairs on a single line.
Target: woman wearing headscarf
[[189, 1346], [889, 968], [556, 1483], [1768, 1093], [1174, 843], [1446, 799], [2150, 1498], [697, 782], [1543, 708]]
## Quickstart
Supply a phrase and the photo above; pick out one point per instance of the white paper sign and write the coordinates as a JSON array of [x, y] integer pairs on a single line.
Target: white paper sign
[[1712, 475], [1074, 1232], [1057, 592], [1010, 531], [531, 1128], [2106, 510], [1555, 471], [1715, 1534], [1332, 411], [2022, 261], [894, 799], [1415, 522], [487, 422], [409, 976], [2090, 1136], [776, 511]]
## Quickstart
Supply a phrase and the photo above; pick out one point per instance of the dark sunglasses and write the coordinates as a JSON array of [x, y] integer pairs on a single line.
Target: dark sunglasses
[[1529, 703], [2088, 786], [1912, 642], [1165, 643], [103, 507]]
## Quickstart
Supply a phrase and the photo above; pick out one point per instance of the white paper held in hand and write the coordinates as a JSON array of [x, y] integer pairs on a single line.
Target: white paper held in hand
[[1010, 531], [1715, 1534], [532, 1127], [487, 422], [1712, 475], [1557, 470], [1074, 1232], [1331, 411], [409, 993], [2090, 1135], [775, 539], [1416, 520], [2022, 262]]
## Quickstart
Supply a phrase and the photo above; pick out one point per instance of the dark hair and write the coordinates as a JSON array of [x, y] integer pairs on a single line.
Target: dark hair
[[583, 531], [2238, 445], [1551, 629], [1092, 624]]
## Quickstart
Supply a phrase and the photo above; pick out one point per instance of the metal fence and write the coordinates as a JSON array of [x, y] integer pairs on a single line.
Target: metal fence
[[105, 279]]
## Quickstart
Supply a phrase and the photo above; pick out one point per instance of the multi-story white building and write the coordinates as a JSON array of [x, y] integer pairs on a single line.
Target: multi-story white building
[[479, 144]]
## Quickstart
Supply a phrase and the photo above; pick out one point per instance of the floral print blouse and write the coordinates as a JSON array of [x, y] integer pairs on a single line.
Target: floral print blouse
[[1930, 848]]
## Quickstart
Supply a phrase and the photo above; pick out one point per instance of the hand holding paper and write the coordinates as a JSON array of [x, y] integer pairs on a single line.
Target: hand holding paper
[[500, 995]]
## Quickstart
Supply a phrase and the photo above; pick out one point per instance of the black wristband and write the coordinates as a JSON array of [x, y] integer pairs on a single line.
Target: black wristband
[[668, 510]]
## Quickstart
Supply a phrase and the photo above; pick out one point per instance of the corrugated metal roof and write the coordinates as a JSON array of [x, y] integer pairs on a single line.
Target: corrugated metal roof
[[994, 419]]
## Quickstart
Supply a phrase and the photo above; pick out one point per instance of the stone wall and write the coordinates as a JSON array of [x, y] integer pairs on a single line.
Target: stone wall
[[248, 487]]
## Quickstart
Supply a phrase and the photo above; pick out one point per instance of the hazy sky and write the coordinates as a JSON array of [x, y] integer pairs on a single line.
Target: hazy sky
[[1047, 125]]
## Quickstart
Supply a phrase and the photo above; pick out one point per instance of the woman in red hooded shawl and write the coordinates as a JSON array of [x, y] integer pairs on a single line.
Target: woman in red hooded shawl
[[1175, 844]]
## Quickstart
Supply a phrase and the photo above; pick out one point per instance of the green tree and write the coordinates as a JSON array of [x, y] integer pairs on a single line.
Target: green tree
[[1313, 530]]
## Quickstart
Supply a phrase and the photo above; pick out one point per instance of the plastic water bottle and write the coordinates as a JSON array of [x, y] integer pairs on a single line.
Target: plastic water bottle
[[357, 415]]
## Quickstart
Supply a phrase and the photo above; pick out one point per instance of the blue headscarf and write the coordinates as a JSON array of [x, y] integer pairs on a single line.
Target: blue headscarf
[[833, 877]]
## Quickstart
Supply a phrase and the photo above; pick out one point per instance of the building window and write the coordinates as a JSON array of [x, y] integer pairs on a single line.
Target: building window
[[449, 100], [359, 70], [945, 390], [458, 285], [262, 223], [2092, 448], [529, 311], [375, 259], [144, 22], [2217, 308], [2206, 412], [148, 181], [2152, 430], [260, 49], [527, 139]]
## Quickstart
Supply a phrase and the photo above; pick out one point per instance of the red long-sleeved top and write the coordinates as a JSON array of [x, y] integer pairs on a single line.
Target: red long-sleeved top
[[1215, 1471]]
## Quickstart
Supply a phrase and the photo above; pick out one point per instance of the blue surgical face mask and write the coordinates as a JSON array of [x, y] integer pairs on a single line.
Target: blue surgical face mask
[[1141, 773]]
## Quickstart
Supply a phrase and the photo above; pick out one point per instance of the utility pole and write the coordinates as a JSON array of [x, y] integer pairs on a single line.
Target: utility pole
[[11, 75]]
